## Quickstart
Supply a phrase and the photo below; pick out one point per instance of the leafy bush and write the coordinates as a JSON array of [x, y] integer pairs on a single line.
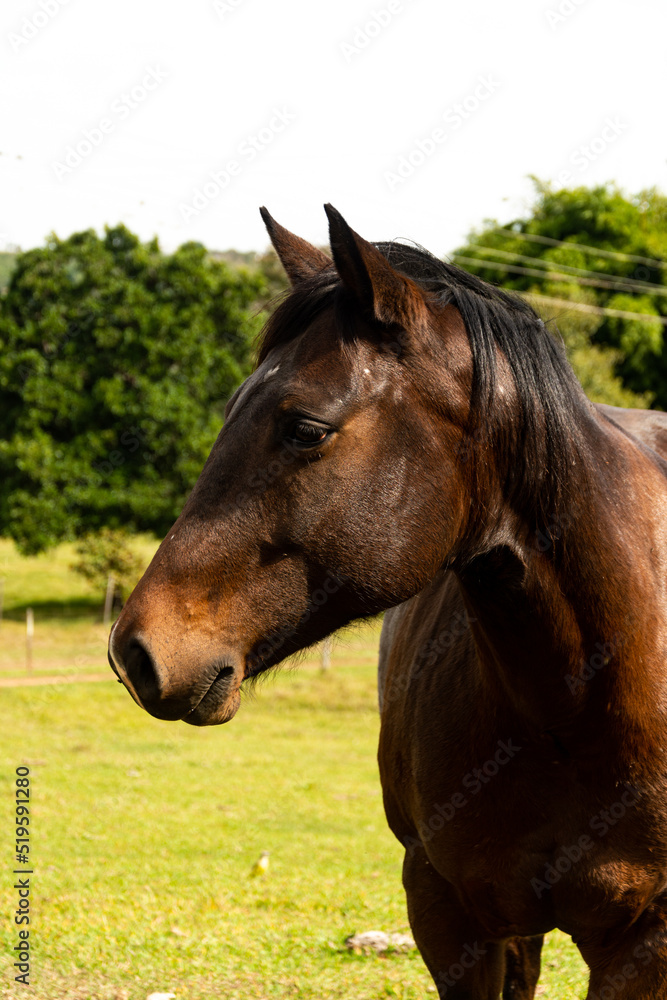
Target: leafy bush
[[116, 361]]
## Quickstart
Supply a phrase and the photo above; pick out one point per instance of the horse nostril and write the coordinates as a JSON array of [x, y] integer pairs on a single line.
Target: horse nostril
[[113, 666], [141, 673]]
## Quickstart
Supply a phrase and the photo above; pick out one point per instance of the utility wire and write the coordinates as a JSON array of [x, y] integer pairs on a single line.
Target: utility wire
[[599, 310], [647, 286], [611, 254], [619, 286]]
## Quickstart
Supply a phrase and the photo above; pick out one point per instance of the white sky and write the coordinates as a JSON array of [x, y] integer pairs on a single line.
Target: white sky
[[353, 113]]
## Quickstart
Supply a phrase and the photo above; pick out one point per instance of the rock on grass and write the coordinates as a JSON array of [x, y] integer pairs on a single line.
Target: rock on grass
[[380, 942]]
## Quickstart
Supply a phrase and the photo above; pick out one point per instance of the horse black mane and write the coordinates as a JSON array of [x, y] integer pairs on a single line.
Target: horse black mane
[[539, 454]]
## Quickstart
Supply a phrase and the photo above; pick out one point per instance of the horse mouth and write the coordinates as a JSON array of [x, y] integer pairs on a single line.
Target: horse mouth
[[219, 704]]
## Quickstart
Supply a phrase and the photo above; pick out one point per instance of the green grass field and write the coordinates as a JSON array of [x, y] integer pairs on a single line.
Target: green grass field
[[69, 637], [144, 834]]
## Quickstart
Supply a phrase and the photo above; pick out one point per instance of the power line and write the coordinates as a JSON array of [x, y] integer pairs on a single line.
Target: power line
[[619, 286], [611, 254], [647, 286], [599, 310]]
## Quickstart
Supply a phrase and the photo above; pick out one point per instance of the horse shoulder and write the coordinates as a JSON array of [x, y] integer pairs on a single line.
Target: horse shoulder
[[419, 637], [649, 427], [390, 625]]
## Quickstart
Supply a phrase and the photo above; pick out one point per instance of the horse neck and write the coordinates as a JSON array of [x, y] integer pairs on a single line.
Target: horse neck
[[569, 620]]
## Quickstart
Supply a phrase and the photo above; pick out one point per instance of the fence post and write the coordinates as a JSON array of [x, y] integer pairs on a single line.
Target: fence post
[[108, 601], [327, 646], [29, 632]]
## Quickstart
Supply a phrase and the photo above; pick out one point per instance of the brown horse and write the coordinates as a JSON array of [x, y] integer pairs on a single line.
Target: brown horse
[[414, 439]]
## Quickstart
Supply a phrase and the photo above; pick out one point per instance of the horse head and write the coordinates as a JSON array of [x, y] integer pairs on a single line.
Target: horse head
[[336, 488]]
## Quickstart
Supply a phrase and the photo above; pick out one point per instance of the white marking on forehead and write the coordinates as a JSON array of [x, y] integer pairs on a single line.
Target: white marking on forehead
[[251, 383], [367, 371]]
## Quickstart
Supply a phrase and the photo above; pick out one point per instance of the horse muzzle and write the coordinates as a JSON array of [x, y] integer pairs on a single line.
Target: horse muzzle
[[199, 695]]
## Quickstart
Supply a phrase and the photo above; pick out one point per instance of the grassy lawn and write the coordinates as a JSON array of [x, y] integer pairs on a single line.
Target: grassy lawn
[[69, 637], [144, 834]]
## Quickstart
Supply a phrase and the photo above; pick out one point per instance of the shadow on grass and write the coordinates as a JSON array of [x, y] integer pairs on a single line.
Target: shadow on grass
[[88, 608]]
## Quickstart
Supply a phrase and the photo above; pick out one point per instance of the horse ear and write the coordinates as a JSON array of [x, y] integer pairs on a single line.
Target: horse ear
[[300, 259], [379, 289]]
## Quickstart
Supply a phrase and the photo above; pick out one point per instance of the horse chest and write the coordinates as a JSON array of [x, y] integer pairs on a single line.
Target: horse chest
[[525, 870], [531, 892], [522, 864]]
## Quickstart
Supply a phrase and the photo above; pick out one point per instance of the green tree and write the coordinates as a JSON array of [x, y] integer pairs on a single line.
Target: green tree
[[115, 364], [109, 553], [618, 359], [7, 263]]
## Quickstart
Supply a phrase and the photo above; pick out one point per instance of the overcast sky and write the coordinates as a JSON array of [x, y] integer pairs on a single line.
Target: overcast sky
[[416, 118]]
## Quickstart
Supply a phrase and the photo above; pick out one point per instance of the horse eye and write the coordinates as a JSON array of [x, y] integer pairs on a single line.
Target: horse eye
[[305, 432]]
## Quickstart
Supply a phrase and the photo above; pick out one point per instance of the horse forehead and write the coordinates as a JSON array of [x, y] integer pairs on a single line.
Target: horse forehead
[[319, 360], [264, 373], [316, 359], [331, 369], [290, 368]]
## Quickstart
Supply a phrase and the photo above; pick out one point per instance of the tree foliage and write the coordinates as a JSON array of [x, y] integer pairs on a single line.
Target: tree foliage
[[116, 361], [109, 553], [618, 360]]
